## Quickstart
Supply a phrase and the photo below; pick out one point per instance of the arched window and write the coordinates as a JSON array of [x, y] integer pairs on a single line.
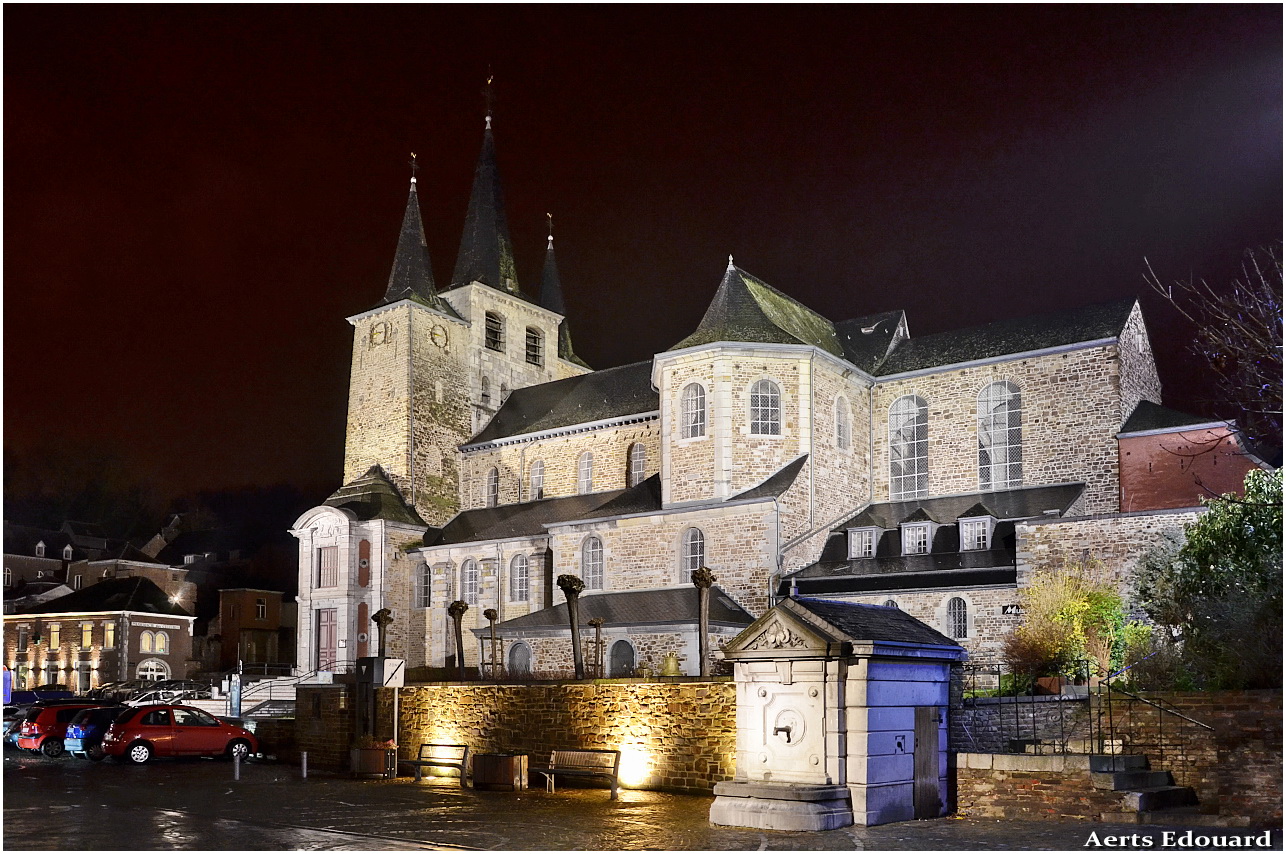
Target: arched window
[[495, 332], [636, 465], [153, 670], [585, 473], [423, 586], [486, 391], [519, 586], [591, 563], [536, 476], [491, 489], [504, 392], [162, 642], [957, 618], [694, 551], [147, 642], [519, 659], [765, 409], [890, 603], [843, 424], [469, 581], [1000, 436], [535, 347], [620, 661], [908, 448], [692, 411]]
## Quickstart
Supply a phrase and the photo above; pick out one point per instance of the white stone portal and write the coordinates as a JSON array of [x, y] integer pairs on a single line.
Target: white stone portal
[[841, 718]]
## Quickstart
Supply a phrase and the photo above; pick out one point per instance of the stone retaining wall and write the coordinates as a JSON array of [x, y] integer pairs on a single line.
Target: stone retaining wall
[[1052, 788]]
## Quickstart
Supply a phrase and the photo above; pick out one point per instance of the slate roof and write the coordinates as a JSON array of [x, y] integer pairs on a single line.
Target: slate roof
[[1153, 416], [114, 594], [529, 518], [551, 297], [412, 274], [1024, 503], [860, 622], [486, 251], [373, 496], [865, 349], [673, 605], [777, 483], [609, 393], [1005, 337], [748, 309]]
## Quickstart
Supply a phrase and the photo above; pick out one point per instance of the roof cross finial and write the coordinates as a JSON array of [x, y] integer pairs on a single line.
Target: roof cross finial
[[489, 93], [550, 217], [415, 167], [731, 266]]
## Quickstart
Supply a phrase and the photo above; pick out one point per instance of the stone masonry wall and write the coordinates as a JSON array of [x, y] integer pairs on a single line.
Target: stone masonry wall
[[1070, 417], [678, 735]]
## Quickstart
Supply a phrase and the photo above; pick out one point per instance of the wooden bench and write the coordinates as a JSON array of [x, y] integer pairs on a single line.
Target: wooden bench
[[441, 756], [592, 764]]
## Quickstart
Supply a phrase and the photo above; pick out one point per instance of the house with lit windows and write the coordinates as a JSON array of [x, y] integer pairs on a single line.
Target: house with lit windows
[[785, 452]]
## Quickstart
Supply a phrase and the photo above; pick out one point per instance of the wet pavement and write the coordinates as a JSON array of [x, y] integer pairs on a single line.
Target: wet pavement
[[70, 804]]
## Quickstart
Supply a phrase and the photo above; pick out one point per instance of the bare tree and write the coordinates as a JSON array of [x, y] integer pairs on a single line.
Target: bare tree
[[1239, 335]]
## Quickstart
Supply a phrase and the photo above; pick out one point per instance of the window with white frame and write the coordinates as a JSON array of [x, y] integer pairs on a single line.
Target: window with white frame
[[765, 409], [67, 553], [495, 332], [536, 478], [1000, 436], [261, 609], [491, 487], [862, 542], [585, 473], [8, 577], [77, 582], [692, 411], [535, 347], [55, 635], [40, 549], [957, 618], [519, 581], [153, 670], [694, 551], [147, 642], [908, 448], [591, 563], [915, 539], [23, 637], [162, 643], [328, 566], [109, 635], [469, 578], [637, 464], [423, 586], [843, 424], [975, 535]]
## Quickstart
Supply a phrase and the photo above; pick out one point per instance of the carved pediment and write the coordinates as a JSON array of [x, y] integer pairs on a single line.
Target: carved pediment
[[776, 635]]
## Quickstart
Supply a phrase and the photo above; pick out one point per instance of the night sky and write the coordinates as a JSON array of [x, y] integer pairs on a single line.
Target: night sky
[[196, 198]]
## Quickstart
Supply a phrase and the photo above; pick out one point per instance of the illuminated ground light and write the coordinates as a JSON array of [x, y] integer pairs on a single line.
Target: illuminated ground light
[[636, 766]]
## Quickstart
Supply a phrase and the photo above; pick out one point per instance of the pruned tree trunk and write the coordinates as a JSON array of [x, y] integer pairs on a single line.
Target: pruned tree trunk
[[571, 586], [456, 610], [703, 579]]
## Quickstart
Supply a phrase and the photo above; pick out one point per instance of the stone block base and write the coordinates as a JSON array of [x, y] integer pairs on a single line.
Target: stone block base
[[781, 806]]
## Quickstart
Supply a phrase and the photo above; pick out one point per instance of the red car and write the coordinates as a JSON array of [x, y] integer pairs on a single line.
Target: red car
[[44, 727], [168, 730]]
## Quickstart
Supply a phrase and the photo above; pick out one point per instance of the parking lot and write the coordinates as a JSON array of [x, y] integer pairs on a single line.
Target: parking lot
[[72, 804]]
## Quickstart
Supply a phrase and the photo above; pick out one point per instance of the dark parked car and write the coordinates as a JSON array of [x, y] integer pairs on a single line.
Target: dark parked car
[[44, 726], [144, 732], [86, 730]]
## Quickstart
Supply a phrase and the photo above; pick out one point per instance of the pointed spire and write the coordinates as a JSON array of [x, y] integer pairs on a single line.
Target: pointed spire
[[412, 275], [486, 252], [551, 297]]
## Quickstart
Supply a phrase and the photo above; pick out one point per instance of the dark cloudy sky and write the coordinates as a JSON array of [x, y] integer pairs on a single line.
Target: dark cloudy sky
[[196, 197]]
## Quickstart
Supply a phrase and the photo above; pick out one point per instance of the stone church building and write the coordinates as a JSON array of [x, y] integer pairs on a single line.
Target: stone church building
[[788, 453]]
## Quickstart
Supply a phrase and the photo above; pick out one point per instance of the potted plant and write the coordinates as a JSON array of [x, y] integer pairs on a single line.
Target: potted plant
[[369, 756]]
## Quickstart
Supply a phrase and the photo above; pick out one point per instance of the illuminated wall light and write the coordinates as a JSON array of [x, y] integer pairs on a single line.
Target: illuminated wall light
[[636, 765]]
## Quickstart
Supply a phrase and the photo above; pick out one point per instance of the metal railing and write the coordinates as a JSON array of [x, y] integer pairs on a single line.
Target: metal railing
[[1147, 725]]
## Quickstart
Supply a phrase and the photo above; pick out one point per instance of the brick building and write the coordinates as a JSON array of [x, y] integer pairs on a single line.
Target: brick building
[[780, 449]]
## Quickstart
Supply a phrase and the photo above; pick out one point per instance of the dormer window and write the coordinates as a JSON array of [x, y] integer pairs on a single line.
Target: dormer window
[[975, 534], [862, 542], [916, 538], [40, 549], [67, 553]]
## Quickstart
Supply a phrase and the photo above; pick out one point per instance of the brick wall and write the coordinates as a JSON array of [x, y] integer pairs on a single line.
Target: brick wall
[[1179, 469], [1050, 788]]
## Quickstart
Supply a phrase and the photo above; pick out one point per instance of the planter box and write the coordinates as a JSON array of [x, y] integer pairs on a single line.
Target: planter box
[[377, 762], [500, 771]]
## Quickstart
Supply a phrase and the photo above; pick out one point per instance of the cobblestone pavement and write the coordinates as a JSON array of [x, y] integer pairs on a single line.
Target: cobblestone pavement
[[74, 805]]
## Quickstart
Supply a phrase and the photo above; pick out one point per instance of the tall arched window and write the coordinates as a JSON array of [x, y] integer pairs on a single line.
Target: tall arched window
[[591, 563], [494, 338], [694, 551], [908, 448], [692, 411], [147, 642], [469, 581], [519, 585], [585, 473], [1000, 436], [519, 659], [636, 465], [620, 661], [843, 424], [491, 490], [765, 409], [957, 618], [536, 479], [162, 643], [423, 586]]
